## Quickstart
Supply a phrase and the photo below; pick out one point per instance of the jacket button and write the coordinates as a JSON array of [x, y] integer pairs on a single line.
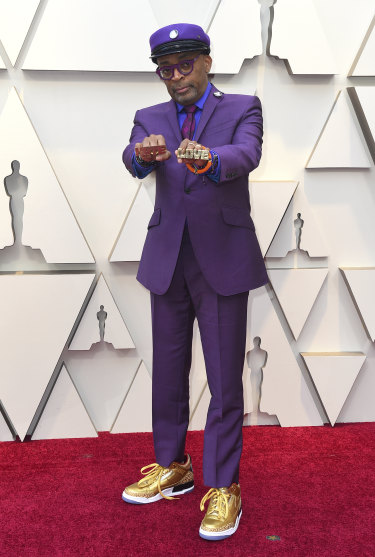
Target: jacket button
[[187, 190]]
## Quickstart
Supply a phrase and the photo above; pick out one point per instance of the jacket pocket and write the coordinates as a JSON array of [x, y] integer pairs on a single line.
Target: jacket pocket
[[237, 216], [155, 219]]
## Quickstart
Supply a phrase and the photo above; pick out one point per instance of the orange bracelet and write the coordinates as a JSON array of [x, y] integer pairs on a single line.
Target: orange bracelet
[[198, 170]]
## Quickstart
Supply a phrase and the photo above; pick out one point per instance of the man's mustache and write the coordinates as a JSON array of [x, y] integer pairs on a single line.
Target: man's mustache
[[177, 89]]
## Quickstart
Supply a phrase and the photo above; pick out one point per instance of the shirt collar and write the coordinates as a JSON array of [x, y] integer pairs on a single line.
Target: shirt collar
[[200, 102]]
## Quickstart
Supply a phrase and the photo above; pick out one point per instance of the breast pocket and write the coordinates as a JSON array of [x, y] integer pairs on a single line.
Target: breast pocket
[[237, 216], [155, 219]]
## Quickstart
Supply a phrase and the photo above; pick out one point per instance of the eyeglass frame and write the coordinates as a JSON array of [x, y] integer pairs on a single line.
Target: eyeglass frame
[[176, 66]]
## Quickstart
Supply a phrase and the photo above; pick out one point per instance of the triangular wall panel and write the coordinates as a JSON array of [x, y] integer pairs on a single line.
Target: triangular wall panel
[[269, 201], [38, 314], [166, 12], [136, 413], [364, 62], [359, 405], [102, 379], [333, 375], [15, 19], [366, 98], [93, 36], [244, 37], [298, 37], [5, 433], [311, 239], [64, 415], [115, 330], [297, 290], [284, 390], [130, 241], [50, 49], [361, 286], [48, 222], [341, 143]]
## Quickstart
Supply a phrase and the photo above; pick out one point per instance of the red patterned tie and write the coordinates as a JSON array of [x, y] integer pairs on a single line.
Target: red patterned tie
[[188, 125]]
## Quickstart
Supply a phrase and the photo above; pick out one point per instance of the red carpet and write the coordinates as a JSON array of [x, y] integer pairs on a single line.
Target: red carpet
[[314, 488]]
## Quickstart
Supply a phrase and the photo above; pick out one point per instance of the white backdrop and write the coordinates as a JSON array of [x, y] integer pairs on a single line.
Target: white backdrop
[[81, 73]]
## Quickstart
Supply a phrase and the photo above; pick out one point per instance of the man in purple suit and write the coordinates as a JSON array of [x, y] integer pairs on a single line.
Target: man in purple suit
[[200, 259]]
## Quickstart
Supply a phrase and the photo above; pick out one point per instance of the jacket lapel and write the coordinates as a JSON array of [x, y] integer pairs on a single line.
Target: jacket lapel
[[208, 108]]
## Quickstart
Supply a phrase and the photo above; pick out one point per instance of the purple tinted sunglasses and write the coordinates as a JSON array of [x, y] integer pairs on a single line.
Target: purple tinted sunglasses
[[185, 67]]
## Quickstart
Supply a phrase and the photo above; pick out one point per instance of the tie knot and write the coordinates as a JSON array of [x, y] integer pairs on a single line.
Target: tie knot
[[190, 108]]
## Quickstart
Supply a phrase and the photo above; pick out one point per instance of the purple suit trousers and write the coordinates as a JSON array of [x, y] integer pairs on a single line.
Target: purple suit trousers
[[222, 326], [200, 258]]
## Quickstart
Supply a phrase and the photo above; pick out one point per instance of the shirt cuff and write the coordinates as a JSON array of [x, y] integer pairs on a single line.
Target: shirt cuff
[[214, 173], [139, 170]]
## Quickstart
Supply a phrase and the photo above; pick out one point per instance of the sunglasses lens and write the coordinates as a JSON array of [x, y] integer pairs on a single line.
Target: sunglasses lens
[[166, 73], [185, 67]]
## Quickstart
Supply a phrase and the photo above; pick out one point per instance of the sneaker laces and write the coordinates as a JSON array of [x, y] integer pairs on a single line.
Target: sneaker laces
[[155, 473], [219, 505]]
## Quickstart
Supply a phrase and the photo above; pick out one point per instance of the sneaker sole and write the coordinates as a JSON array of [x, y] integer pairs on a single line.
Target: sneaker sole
[[170, 492], [216, 536]]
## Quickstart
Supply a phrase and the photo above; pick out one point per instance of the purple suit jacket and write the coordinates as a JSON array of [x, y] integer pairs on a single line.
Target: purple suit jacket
[[218, 215]]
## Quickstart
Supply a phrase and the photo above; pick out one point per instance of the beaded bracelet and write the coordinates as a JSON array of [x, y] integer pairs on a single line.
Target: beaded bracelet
[[198, 169], [144, 163], [191, 154]]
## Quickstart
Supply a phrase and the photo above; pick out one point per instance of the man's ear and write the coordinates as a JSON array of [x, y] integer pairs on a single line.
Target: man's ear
[[207, 63]]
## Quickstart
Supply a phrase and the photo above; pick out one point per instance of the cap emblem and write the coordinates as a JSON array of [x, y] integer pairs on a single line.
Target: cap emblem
[[173, 34]]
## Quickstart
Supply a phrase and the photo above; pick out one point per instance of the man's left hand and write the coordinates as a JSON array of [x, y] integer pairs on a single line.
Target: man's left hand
[[189, 144]]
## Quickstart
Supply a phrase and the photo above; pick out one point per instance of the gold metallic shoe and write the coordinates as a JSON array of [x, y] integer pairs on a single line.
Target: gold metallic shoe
[[223, 513], [159, 482]]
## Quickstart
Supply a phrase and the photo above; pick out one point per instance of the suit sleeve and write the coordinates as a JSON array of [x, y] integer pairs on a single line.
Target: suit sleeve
[[244, 153], [137, 135]]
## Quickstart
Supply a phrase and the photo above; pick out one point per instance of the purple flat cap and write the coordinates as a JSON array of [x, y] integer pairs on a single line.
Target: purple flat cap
[[178, 37]]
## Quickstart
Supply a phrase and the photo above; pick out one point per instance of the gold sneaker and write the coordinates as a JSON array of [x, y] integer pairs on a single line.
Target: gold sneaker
[[159, 482], [223, 513]]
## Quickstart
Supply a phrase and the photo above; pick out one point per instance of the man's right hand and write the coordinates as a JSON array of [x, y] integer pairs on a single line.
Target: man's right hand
[[153, 141]]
